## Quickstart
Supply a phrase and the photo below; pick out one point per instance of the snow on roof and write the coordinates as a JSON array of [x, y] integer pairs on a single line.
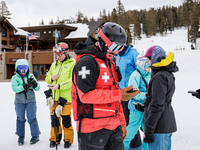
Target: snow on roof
[[81, 32], [21, 32]]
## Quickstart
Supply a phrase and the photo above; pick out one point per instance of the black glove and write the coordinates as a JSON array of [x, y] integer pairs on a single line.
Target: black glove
[[48, 93], [148, 138], [196, 94], [62, 101], [198, 91], [32, 82], [26, 86], [139, 107]]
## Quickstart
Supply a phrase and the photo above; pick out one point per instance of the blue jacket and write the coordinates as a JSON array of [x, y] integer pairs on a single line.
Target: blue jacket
[[127, 64], [17, 85], [137, 82]]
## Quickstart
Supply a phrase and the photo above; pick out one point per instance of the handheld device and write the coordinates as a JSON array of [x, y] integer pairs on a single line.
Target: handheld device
[[192, 92], [132, 91], [49, 85]]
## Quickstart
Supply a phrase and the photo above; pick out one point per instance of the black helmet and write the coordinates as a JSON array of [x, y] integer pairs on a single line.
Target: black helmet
[[113, 35]]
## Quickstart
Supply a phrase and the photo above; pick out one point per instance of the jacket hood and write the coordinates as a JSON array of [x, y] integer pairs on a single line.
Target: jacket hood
[[21, 62], [88, 48], [166, 64]]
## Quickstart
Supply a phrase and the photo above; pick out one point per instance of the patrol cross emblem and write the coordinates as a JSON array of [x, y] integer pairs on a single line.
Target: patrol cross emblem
[[105, 77], [83, 72]]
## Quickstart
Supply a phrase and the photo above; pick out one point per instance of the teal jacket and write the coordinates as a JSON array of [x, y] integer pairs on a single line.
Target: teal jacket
[[137, 82], [17, 85]]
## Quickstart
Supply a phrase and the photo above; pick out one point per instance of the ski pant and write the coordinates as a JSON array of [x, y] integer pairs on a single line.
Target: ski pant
[[30, 109], [66, 124], [161, 142], [135, 121], [103, 139]]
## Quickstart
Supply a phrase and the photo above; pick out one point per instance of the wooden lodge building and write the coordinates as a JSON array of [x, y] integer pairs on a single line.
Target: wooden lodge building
[[39, 53]]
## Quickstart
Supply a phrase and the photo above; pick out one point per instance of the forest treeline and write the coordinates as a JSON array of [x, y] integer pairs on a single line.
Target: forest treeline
[[149, 22]]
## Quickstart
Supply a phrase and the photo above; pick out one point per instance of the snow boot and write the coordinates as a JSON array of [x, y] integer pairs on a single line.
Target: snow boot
[[34, 139], [67, 145], [21, 140], [53, 144]]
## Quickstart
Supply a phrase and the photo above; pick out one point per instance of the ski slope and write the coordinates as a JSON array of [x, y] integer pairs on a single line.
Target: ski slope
[[186, 107]]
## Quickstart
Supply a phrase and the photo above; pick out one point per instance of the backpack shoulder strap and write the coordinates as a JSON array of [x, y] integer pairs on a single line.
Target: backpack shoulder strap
[[142, 78]]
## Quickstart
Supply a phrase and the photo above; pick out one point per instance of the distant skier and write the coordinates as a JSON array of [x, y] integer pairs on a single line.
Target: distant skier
[[192, 47], [23, 84]]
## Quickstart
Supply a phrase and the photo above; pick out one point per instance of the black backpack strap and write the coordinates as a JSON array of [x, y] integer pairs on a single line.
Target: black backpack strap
[[142, 78]]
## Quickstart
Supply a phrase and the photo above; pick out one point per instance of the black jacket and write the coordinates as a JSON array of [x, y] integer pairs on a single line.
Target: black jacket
[[158, 114]]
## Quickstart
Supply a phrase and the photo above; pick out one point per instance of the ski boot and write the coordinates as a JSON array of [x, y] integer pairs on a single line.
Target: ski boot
[[34, 139], [21, 140]]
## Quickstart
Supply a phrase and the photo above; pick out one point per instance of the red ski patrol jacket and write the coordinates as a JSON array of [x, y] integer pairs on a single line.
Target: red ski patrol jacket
[[95, 92]]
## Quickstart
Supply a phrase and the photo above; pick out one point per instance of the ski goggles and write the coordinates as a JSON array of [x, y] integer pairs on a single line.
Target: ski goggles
[[58, 50], [22, 69], [112, 46]]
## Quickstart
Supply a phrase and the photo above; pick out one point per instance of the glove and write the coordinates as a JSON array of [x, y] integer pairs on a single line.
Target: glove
[[32, 82], [126, 96], [196, 94], [148, 138], [139, 107], [26, 86], [59, 110], [124, 133], [50, 102]]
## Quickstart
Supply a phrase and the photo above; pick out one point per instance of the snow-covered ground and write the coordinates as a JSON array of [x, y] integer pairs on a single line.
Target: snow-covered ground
[[186, 107]]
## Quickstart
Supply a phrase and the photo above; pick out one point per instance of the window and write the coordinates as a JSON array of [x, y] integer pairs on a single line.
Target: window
[[4, 42], [49, 31], [37, 34], [44, 32], [4, 32]]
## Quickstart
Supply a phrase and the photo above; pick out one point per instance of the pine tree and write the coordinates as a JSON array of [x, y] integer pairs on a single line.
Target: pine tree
[[114, 16], [4, 10], [152, 26], [79, 17], [187, 11], [170, 21], [51, 22], [92, 19], [194, 23], [128, 33], [120, 11], [42, 22], [162, 25], [137, 27], [145, 27], [85, 19], [104, 16]]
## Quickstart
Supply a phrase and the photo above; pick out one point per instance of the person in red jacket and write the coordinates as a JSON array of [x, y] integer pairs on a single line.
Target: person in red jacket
[[96, 95]]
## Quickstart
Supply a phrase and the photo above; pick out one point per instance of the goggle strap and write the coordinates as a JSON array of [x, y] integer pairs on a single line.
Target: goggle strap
[[111, 45], [105, 39]]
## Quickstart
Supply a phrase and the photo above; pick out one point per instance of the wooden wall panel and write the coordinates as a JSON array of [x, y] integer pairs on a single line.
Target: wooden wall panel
[[41, 58], [11, 58]]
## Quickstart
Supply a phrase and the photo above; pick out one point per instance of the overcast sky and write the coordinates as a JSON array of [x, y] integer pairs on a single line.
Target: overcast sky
[[31, 12]]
